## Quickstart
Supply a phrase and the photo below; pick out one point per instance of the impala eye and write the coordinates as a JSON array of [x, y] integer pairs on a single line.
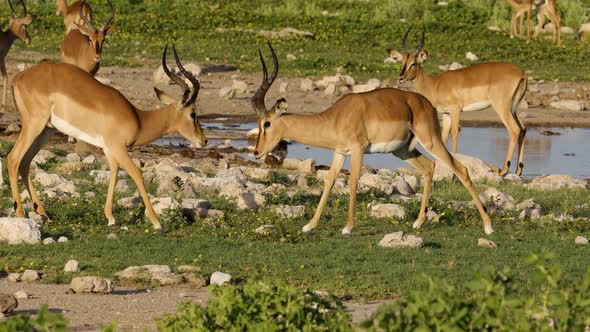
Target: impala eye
[[194, 115], [266, 124]]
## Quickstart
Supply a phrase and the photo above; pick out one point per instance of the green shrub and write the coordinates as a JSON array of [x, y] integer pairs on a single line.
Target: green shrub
[[491, 303], [260, 306], [44, 322]]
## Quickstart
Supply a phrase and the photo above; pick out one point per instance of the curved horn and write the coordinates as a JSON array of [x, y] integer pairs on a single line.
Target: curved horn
[[12, 8], [172, 76], [88, 23], [421, 42], [406, 37], [258, 99], [24, 8], [196, 84], [110, 19]]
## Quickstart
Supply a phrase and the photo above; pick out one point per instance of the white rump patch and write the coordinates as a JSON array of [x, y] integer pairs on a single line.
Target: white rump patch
[[481, 105], [385, 147], [66, 128]]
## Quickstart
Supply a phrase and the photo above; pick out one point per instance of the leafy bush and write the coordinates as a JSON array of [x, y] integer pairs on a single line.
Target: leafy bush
[[260, 306], [492, 303], [45, 321]]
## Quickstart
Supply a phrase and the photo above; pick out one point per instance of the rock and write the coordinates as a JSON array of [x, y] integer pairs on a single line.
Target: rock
[[22, 295], [307, 85], [287, 211], [220, 278], [112, 236], [160, 204], [455, 66], [402, 187], [194, 203], [43, 157], [288, 32], [331, 90], [471, 56], [13, 277], [388, 211], [376, 181], [512, 178], [485, 243], [92, 285], [161, 274], [48, 240], [227, 92], [62, 239], [128, 202], [72, 266], [49, 180], [523, 105], [432, 216], [250, 201], [532, 214], [102, 177], [304, 166], [73, 157], [567, 30], [89, 160], [12, 128], [291, 57], [19, 231], [215, 214], [584, 32], [478, 170], [240, 86], [494, 28], [568, 105], [283, 87], [22, 66], [371, 85], [495, 197], [581, 240], [264, 229], [527, 204], [401, 240], [67, 187], [557, 181], [7, 303], [195, 280], [29, 275]]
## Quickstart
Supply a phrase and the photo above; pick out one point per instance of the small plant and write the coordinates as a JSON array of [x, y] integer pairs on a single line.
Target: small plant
[[46, 321], [260, 306]]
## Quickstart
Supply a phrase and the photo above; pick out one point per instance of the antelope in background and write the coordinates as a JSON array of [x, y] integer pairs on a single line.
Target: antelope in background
[[497, 84], [548, 8], [53, 97], [17, 28], [73, 14], [519, 9], [83, 46], [381, 121]]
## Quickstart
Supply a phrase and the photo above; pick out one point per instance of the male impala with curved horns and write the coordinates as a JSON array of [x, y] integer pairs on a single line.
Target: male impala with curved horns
[[474, 88], [61, 97], [17, 28], [381, 121], [73, 14], [82, 47]]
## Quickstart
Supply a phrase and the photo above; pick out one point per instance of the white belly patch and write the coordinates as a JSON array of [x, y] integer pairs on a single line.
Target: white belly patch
[[66, 128], [385, 147], [481, 105]]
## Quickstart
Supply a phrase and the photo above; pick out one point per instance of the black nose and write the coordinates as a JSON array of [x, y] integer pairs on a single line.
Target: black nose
[[255, 153], [206, 141]]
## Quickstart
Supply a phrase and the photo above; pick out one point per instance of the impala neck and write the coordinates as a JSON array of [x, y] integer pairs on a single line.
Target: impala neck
[[6, 39], [155, 124], [422, 82], [308, 129]]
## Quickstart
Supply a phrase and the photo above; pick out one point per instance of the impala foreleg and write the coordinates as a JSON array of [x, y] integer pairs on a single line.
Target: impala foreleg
[[5, 80], [455, 125], [108, 206], [356, 164], [337, 161]]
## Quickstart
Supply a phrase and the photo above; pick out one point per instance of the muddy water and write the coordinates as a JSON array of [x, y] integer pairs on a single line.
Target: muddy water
[[567, 153]]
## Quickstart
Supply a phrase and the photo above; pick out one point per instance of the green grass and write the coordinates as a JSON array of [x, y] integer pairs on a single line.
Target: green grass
[[354, 40]]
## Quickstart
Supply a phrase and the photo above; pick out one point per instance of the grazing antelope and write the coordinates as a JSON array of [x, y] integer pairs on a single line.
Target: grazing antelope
[[73, 14], [548, 8], [519, 9], [381, 121], [61, 97], [17, 28], [497, 84], [83, 46]]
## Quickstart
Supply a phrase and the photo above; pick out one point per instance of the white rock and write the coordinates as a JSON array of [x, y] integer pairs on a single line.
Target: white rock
[[287, 211], [432, 216], [567, 30], [12, 128], [22, 66], [43, 156], [220, 278], [512, 178], [91, 159], [13, 277], [240, 86], [331, 90], [72, 266], [527, 204], [227, 92], [557, 181], [471, 56], [402, 187], [92, 285], [497, 198], [73, 157], [584, 32], [49, 180], [62, 239], [485, 243], [30, 275], [400, 240], [264, 229], [307, 85], [532, 214], [478, 170], [375, 181], [581, 240], [301, 165], [250, 201], [128, 202], [19, 231], [48, 241], [494, 28], [66, 187], [21, 295], [568, 105], [112, 236], [455, 66], [291, 57], [194, 203], [388, 211], [160, 204], [161, 274]]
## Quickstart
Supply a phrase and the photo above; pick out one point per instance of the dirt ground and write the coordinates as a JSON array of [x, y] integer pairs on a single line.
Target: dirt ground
[[134, 310]]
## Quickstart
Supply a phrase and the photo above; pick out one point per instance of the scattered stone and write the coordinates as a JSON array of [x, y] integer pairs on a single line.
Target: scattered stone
[[371, 85], [112, 236], [331, 90], [196, 281], [264, 229], [22, 295], [568, 105], [402, 187], [531, 214], [67, 187], [240, 86], [128, 202], [43, 156], [432, 216], [581, 240], [7, 303], [388, 211], [62, 239], [584, 32], [287, 211], [512, 178], [13, 277], [19, 231], [401, 240], [160, 204], [307, 85], [22, 66], [91, 159], [12, 128], [303, 166], [215, 214], [495, 197], [557, 181], [48, 240], [220, 278], [567, 30], [227, 92], [30, 275], [471, 56], [161, 274], [455, 66], [291, 57], [73, 157], [92, 285], [49, 180], [478, 170], [72, 266], [485, 243], [527, 204], [250, 201]]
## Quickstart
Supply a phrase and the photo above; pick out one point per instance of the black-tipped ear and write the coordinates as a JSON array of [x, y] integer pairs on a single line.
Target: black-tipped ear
[[164, 97], [281, 106]]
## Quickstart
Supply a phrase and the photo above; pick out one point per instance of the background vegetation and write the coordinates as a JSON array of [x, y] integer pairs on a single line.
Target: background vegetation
[[349, 35]]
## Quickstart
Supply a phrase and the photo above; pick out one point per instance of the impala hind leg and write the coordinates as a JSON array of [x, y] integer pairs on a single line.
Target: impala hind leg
[[5, 80], [356, 163], [337, 161], [504, 110], [108, 206]]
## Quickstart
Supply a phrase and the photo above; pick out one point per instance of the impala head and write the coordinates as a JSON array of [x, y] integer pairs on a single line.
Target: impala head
[[96, 36], [410, 61], [18, 24], [269, 135], [185, 122]]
